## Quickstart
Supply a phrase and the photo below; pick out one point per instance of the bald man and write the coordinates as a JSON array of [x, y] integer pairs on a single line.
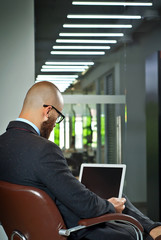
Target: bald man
[[27, 157]]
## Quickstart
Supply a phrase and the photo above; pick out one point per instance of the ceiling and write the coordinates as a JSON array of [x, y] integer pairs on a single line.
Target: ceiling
[[51, 15]]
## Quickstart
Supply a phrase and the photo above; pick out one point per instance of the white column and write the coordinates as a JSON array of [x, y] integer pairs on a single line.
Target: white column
[[16, 59], [16, 56]]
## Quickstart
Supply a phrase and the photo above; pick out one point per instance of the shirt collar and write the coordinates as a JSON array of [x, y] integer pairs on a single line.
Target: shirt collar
[[30, 123]]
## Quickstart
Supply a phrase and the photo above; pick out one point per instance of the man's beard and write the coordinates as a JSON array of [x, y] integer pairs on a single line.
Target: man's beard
[[47, 127]]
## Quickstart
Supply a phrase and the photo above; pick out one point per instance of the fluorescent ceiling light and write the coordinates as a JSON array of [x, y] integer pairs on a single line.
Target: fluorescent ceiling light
[[112, 3], [63, 81], [97, 26], [62, 87], [54, 77], [84, 16], [65, 67], [91, 34], [69, 63], [77, 52], [61, 84], [81, 47], [62, 70], [59, 81], [84, 41]]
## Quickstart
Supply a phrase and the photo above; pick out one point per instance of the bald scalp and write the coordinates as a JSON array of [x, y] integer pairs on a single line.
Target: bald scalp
[[42, 93]]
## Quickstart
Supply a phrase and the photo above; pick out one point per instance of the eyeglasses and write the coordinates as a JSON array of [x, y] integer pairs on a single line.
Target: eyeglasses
[[60, 117]]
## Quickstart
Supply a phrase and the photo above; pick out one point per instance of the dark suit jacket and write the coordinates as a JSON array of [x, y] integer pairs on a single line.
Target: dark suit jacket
[[28, 159]]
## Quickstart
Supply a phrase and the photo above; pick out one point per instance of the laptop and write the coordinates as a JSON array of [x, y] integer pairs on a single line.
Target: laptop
[[106, 180]]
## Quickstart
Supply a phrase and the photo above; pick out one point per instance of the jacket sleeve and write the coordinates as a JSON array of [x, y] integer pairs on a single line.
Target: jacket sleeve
[[55, 175]]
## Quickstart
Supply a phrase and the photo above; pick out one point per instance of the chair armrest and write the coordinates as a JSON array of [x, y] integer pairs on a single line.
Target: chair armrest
[[117, 217], [111, 217]]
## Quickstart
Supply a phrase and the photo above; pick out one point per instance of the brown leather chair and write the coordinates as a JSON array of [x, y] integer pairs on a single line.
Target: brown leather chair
[[28, 213]]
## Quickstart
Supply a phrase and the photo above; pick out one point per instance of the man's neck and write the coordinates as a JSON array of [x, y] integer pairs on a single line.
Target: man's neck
[[30, 123]]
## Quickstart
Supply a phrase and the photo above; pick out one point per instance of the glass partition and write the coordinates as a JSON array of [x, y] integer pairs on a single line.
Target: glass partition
[[78, 134]]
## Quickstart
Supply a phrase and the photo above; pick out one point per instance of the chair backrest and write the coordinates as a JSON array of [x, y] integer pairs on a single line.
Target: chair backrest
[[30, 211]]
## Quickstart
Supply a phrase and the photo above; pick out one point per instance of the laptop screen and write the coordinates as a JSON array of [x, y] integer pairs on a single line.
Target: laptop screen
[[106, 180]]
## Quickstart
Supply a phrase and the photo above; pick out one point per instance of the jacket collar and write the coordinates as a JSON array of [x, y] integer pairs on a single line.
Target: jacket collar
[[21, 126]]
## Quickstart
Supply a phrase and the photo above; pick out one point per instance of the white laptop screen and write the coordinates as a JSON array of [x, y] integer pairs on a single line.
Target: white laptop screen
[[106, 180]]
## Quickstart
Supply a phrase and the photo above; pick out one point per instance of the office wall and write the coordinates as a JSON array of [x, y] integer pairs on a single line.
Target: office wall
[[16, 59], [146, 44], [16, 56], [153, 120], [131, 59]]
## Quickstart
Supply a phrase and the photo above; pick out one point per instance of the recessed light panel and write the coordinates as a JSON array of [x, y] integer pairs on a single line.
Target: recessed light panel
[[77, 52], [91, 34], [85, 16], [97, 26], [84, 41], [112, 3], [82, 47], [69, 63]]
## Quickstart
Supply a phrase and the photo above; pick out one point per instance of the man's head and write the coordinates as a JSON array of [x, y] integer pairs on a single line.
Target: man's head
[[42, 105]]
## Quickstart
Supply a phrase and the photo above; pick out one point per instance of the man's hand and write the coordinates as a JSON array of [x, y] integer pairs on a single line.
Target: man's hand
[[118, 203]]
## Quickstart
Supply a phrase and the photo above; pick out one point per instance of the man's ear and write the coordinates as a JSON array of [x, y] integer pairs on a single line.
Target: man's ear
[[46, 111]]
